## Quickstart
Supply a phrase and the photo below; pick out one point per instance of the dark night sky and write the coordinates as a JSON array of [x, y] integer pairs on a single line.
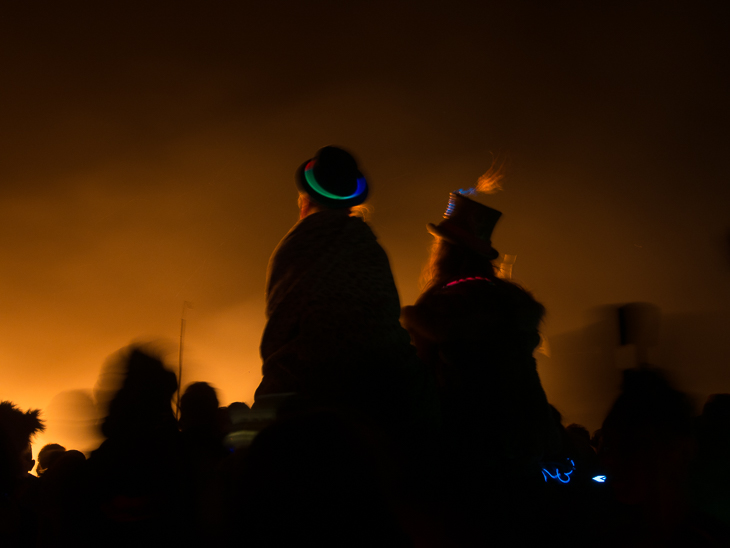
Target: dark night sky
[[148, 152]]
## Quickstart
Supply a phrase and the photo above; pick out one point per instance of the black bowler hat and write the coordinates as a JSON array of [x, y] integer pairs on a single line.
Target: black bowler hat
[[332, 179], [469, 224]]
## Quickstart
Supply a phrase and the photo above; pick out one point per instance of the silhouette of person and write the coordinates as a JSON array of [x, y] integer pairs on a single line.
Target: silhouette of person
[[647, 449], [133, 478], [333, 333], [18, 488], [17, 428], [48, 454], [477, 333]]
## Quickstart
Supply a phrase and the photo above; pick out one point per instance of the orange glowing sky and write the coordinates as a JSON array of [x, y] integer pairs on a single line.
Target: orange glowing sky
[[148, 153]]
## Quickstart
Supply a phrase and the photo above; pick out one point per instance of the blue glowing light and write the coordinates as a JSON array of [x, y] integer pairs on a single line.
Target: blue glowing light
[[562, 477], [450, 207], [309, 176], [467, 191], [599, 479], [558, 475]]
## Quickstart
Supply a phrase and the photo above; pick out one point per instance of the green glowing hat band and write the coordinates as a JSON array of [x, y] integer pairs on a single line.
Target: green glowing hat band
[[312, 182]]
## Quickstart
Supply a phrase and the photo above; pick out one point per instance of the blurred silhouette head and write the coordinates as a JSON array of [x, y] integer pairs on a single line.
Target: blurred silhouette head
[[48, 454], [644, 437], [648, 400], [142, 405], [198, 406]]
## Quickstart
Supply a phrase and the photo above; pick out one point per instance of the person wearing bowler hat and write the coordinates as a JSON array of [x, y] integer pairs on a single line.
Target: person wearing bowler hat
[[333, 333], [477, 333]]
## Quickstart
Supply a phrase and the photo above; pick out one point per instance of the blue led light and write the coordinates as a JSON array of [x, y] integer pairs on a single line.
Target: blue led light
[[450, 207], [599, 479], [557, 475], [562, 477]]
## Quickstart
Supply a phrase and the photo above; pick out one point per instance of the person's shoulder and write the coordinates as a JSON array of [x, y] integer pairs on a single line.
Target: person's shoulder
[[515, 291], [453, 297], [357, 223], [520, 302], [490, 292]]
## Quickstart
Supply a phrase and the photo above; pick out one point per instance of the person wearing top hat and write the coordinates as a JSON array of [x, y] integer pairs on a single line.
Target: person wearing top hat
[[333, 333], [477, 333]]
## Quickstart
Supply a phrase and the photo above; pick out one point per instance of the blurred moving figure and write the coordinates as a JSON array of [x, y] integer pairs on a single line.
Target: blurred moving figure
[[647, 449], [711, 469], [73, 416], [199, 413], [133, 478], [333, 334]]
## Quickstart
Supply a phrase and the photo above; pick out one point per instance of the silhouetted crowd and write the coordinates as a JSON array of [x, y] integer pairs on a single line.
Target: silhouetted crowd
[[375, 426], [653, 475]]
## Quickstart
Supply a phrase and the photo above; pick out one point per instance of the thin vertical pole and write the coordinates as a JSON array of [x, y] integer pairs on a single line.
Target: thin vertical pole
[[180, 359]]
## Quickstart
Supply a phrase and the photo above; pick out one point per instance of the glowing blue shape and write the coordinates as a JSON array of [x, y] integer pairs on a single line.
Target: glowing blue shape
[[562, 477], [467, 191], [309, 176], [599, 479], [557, 475], [450, 208]]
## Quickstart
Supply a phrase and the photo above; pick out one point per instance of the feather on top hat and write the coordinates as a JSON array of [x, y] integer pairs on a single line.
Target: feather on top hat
[[469, 224], [333, 179]]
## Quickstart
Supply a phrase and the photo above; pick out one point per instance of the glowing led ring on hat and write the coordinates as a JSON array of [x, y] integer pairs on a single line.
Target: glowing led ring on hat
[[309, 176]]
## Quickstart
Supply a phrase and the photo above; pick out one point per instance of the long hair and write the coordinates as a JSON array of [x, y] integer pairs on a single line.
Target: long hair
[[449, 262]]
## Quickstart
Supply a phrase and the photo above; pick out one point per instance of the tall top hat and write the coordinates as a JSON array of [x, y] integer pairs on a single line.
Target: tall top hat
[[469, 224], [332, 179]]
